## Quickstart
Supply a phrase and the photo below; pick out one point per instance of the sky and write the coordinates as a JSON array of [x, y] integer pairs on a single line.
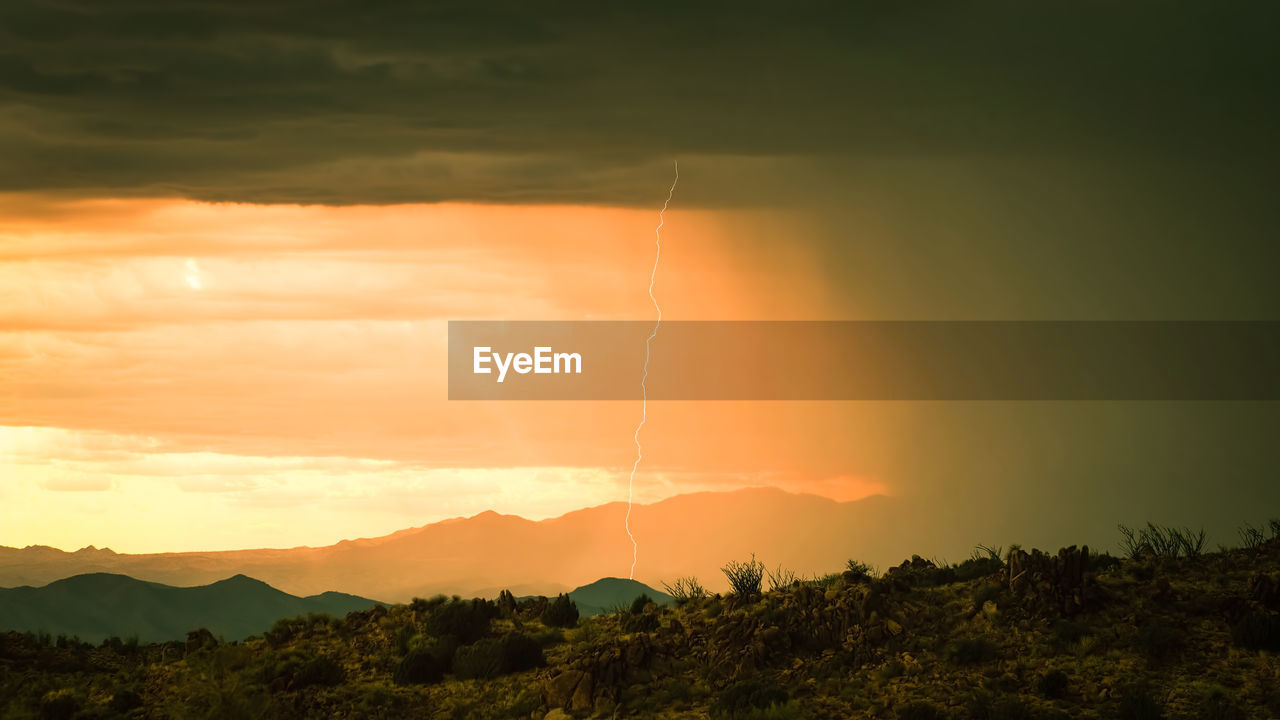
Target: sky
[[231, 236]]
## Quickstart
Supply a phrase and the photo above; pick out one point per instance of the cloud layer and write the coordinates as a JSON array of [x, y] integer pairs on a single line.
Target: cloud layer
[[350, 102]]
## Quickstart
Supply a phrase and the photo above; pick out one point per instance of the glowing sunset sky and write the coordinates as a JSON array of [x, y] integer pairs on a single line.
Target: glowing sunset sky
[[231, 237], [175, 359]]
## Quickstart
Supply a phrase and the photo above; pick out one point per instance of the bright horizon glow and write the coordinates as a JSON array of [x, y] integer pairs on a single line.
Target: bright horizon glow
[[156, 410]]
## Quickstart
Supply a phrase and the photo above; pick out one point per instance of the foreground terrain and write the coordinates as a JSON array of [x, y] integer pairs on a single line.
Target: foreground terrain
[[1170, 631]]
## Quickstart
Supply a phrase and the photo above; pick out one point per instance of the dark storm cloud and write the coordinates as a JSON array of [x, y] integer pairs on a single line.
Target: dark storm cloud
[[345, 101]]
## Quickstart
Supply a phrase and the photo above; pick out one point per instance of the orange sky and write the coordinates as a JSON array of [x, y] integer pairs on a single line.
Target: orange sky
[[183, 375]]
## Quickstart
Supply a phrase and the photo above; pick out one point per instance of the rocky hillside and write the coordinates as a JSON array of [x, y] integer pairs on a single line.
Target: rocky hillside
[[1171, 632]]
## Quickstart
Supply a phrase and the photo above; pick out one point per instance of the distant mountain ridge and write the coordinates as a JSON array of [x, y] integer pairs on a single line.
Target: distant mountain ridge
[[97, 606], [693, 534]]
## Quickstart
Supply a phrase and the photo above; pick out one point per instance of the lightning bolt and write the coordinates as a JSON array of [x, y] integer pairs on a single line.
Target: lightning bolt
[[644, 393]]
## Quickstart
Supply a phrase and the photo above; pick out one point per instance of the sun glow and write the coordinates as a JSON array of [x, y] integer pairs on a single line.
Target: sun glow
[[193, 275]]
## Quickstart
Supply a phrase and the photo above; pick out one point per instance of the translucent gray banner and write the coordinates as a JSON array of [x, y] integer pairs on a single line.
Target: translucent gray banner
[[714, 360]]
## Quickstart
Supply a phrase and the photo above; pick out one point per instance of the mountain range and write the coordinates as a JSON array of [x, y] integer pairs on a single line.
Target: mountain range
[[97, 606], [693, 534]]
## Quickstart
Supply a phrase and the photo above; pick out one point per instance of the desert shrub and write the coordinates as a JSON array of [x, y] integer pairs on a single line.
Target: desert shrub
[[525, 703], [589, 631], [481, 659], [420, 606], [1191, 542], [920, 710], [74, 643], [379, 702], [1103, 561], [892, 669], [984, 594], [281, 632], [826, 582], [1003, 682], [685, 589], [781, 578], [743, 698], [492, 657], [1141, 571], [985, 707], [466, 620], [294, 670], [856, 571], [644, 622], [319, 671], [668, 691], [1218, 705], [975, 568], [920, 573], [1158, 640], [406, 636], [547, 637], [1161, 541], [972, 651], [713, 609], [941, 575], [1135, 703], [284, 629], [123, 701], [1257, 631], [561, 612], [420, 667], [744, 577], [121, 647], [786, 711], [1053, 684], [638, 605], [59, 705], [520, 653], [1251, 538], [1130, 542], [983, 562]]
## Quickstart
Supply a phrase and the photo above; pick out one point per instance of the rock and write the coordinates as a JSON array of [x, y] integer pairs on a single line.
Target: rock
[[531, 608], [556, 714], [1050, 582], [637, 651], [506, 604], [582, 698], [560, 690]]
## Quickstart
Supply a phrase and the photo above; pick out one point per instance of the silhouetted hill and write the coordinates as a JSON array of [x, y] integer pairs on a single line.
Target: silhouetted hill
[[101, 605], [689, 534], [606, 594]]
